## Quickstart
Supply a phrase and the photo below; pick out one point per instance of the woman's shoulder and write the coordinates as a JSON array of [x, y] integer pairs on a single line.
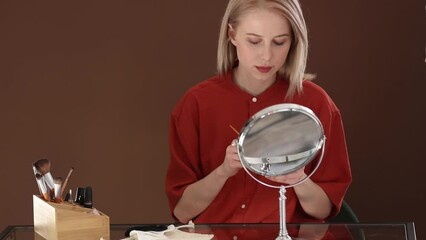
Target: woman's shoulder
[[205, 90], [309, 87], [316, 97], [216, 81], [212, 87]]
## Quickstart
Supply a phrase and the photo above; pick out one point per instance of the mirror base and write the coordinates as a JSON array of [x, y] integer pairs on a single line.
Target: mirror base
[[286, 237]]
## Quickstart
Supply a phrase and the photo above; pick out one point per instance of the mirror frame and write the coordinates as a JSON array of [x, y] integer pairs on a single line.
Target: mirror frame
[[278, 109]]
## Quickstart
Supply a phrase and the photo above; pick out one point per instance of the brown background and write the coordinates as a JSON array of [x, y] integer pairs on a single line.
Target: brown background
[[91, 84]]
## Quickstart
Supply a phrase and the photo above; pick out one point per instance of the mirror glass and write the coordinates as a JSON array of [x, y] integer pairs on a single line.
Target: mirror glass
[[280, 139]]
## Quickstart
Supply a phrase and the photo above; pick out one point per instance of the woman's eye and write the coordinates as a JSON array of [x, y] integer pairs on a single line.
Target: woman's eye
[[253, 42], [279, 43]]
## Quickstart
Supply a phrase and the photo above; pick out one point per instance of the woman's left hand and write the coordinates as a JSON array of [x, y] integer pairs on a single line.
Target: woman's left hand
[[291, 178]]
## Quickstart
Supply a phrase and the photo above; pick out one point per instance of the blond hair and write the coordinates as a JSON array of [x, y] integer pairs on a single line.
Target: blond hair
[[295, 65]]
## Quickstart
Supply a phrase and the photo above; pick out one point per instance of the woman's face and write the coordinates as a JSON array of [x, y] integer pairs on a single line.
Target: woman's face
[[262, 39]]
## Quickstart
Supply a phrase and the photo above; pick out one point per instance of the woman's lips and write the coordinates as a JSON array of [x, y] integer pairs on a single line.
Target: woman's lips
[[263, 69]]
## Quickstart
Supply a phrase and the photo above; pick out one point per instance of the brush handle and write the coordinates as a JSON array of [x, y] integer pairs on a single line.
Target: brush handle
[[43, 189], [57, 190], [66, 181], [41, 186], [49, 180]]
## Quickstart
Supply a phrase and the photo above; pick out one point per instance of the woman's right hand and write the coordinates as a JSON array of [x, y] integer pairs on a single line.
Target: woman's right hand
[[231, 164], [200, 194]]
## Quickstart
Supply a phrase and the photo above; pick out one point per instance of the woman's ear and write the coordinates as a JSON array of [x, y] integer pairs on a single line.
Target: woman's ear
[[231, 33]]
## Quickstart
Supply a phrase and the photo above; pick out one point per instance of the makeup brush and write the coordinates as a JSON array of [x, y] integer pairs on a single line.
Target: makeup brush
[[66, 181], [39, 181], [42, 187], [235, 130], [58, 187], [43, 167]]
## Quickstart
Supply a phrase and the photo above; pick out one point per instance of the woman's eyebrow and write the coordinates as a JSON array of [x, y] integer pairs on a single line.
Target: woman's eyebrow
[[257, 35]]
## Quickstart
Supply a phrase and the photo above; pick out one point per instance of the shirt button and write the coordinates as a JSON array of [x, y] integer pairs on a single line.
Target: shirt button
[[254, 99], [243, 206], [234, 238]]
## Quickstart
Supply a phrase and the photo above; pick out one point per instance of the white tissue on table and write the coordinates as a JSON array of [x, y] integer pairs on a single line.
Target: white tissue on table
[[171, 233]]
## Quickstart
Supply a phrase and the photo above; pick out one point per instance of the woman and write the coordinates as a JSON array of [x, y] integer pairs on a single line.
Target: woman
[[262, 56]]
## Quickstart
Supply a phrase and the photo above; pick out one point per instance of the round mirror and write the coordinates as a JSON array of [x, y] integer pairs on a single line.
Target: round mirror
[[280, 139]]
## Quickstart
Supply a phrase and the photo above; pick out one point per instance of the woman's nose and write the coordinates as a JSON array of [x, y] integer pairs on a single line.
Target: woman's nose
[[266, 52]]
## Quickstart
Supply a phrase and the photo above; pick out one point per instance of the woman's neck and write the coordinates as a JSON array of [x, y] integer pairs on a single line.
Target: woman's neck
[[252, 86]]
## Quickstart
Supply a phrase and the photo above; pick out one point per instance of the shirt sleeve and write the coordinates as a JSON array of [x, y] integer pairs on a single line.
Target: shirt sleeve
[[334, 174], [184, 166]]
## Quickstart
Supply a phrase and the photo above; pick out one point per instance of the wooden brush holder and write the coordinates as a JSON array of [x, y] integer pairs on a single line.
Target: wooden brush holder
[[68, 221]]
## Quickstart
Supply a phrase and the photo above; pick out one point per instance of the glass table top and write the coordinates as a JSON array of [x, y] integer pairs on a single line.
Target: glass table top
[[324, 231]]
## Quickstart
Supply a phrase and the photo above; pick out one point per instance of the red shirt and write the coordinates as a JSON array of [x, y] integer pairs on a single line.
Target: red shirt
[[200, 133]]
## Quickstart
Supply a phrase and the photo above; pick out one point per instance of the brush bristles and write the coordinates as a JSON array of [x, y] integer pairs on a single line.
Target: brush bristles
[[43, 166], [35, 170], [57, 180], [49, 180]]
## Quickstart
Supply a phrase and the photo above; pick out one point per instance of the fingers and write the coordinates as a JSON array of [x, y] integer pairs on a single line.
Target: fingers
[[291, 178], [232, 148], [232, 161]]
